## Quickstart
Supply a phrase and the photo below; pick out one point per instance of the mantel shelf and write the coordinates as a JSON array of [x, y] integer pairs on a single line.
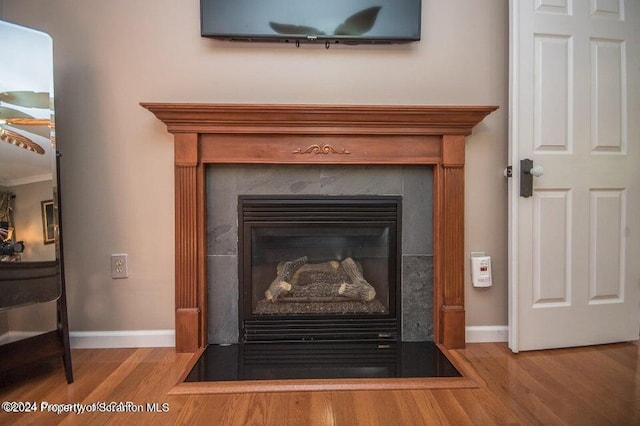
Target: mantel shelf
[[324, 119]]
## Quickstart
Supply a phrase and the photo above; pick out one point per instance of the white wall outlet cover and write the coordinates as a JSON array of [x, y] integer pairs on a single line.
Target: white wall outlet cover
[[119, 266]]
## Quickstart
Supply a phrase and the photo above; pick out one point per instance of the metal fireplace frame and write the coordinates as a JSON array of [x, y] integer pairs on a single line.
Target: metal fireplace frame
[[295, 211]]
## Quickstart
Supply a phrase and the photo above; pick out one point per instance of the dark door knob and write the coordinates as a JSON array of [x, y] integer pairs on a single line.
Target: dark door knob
[[527, 172]]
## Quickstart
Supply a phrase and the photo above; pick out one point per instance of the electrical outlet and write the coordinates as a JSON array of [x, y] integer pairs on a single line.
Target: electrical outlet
[[119, 267]]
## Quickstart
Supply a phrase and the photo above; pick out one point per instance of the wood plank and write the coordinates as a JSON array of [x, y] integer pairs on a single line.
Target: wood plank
[[520, 386], [296, 385], [545, 387], [319, 149], [452, 313], [187, 329], [342, 119]]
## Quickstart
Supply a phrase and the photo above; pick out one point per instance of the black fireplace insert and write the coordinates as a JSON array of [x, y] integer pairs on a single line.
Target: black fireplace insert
[[319, 268]]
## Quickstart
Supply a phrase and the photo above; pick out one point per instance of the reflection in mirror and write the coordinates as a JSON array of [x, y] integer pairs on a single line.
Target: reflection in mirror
[[27, 146], [32, 288]]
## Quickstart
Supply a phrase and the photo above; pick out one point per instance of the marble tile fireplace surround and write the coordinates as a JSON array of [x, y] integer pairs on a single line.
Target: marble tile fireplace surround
[[318, 136], [225, 183]]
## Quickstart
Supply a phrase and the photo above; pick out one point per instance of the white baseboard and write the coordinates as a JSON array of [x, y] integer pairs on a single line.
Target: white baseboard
[[167, 338], [487, 333], [122, 339]]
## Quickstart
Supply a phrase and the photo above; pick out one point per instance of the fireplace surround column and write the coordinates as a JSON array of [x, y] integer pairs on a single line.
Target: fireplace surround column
[[318, 134], [451, 240], [189, 225]]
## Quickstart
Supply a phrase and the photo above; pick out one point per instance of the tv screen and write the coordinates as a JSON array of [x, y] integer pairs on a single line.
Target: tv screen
[[333, 21]]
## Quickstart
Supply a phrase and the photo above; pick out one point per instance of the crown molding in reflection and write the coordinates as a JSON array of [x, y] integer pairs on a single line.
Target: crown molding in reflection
[[27, 180]]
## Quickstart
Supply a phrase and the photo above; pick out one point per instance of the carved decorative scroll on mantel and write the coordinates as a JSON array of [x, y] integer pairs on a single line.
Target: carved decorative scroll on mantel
[[359, 134], [321, 149]]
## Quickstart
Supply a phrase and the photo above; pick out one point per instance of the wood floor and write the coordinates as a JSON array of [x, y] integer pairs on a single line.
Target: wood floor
[[582, 386]]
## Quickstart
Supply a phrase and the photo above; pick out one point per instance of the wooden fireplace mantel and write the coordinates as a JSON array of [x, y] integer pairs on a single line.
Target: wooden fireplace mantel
[[318, 134]]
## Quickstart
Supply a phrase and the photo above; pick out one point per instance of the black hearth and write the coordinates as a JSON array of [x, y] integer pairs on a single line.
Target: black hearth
[[320, 360], [319, 268]]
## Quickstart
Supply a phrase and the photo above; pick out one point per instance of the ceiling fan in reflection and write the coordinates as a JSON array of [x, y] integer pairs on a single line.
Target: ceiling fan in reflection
[[18, 119], [356, 24]]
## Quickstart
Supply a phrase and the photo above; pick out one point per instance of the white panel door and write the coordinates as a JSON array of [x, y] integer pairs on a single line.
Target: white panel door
[[574, 244]]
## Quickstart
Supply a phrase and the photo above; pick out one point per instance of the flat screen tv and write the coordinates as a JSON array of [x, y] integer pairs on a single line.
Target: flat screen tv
[[325, 21]]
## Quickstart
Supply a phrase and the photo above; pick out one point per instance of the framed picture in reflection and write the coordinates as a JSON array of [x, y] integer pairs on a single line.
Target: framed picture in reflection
[[48, 224]]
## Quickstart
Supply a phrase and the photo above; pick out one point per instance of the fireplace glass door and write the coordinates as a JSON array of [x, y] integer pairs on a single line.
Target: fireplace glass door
[[319, 267]]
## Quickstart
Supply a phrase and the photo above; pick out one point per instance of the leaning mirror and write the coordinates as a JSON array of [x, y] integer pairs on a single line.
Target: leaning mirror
[[30, 266], [28, 222]]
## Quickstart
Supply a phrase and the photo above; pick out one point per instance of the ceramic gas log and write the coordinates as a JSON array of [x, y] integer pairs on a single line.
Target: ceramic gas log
[[333, 281]]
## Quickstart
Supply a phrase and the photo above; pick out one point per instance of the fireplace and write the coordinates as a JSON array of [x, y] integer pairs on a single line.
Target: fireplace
[[319, 267], [207, 134]]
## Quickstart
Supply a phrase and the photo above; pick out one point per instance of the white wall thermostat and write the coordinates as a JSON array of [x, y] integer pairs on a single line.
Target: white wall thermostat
[[480, 270]]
